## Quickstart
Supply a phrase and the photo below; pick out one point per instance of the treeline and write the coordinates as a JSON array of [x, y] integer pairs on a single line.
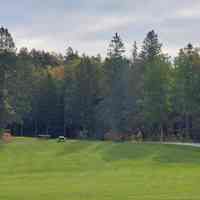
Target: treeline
[[88, 97]]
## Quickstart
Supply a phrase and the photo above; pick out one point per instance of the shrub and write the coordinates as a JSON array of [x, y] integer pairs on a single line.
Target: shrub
[[1, 131]]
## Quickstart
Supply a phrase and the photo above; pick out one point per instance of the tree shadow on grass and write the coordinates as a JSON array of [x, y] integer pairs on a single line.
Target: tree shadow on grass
[[158, 153], [74, 147], [126, 151], [172, 154]]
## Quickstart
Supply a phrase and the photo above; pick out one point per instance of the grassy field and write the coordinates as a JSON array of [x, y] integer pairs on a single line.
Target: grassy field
[[32, 169]]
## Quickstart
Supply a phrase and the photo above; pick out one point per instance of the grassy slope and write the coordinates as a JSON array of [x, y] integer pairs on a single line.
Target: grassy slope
[[32, 169]]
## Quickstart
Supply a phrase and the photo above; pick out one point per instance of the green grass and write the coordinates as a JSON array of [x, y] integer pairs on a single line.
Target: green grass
[[32, 169]]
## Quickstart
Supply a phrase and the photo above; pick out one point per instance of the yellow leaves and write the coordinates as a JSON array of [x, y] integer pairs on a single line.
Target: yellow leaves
[[57, 72]]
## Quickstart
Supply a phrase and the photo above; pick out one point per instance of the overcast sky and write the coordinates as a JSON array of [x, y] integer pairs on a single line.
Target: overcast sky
[[88, 25]]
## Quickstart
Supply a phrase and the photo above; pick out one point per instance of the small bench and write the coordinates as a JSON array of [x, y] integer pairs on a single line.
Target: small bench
[[61, 139], [44, 136]]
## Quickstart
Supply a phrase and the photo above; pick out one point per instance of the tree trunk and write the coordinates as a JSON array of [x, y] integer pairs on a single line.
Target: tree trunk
[[21, 130], [161, 133], [47, 129], [64, 126], [187, 126], [2, 84], [35, 128]]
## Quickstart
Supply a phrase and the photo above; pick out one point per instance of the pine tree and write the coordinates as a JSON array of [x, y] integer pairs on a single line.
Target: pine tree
[[81, 94], [6, 40], [156, 100], [114, 109], [134, 53], [186, 87], [151, 47], [48, 103], [70, 55], [7, 59], [116, 47], [156, 68]]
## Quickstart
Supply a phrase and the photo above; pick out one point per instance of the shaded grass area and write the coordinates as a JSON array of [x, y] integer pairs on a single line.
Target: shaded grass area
[[82, 170]]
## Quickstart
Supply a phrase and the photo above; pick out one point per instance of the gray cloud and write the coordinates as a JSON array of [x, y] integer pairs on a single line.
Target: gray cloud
[[89, 25]]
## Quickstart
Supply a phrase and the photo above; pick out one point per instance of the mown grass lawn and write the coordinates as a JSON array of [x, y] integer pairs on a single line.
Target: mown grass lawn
[[32, 169]]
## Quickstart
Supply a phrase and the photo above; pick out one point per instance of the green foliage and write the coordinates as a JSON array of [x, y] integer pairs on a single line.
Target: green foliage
[[186, 85], [70, 55], [6, 40], [1, 131], [82, 96], [151, 47], [7, 68], [187, 79], [156, 100], [134, 53], [115, 107], [116, 47], [81, 93]]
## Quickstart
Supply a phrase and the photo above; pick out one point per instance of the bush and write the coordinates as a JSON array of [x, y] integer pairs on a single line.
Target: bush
[[1, 132]]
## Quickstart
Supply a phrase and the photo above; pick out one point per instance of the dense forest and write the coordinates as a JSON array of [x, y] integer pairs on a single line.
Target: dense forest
[[88, 97]]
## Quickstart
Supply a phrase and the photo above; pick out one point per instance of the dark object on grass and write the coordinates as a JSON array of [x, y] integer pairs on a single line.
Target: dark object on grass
[[7, 136], [44, 136], [61, 139]]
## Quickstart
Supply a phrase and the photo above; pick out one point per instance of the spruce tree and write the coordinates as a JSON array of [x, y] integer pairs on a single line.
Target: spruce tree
[[6, 40], [113, 109], [81, 94], [156, 68], [7, 59], [186, 88], [116, 47], [134, 53], [151, 47]]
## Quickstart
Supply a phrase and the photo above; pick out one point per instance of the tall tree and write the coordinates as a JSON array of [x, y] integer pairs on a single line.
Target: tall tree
[[116, 47], [81, 94], [151, 46], [114, 108], [186, 87], [48, 104], [70, 55], [6, 40], [155, 95], [134, 53], [7, 60], [156, 99]]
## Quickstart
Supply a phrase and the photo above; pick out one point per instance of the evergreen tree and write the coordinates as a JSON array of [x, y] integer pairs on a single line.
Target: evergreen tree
[[134, 53], [7, 63], [70, 55], [186, 87], [156, 99], [6, 40], [114, 108], [151, 47], [155, 83], [81, 94], [48, 104], [116, 47]]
